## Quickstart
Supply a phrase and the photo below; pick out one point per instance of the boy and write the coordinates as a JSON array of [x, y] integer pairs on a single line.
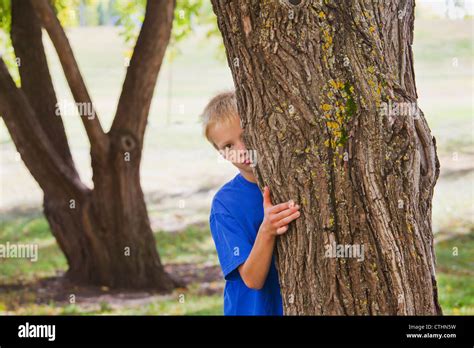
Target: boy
[[244, 224]]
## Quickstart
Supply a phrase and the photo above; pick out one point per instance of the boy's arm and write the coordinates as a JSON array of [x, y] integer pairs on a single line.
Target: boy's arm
[[275, 222]]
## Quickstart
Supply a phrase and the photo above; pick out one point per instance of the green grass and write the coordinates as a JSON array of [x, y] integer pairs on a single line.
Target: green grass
[[456, 294], [455, 259], [191, 245], [437, 40], [194, 245], [456, 255], [27, 230], [31, 230], [192, 305]]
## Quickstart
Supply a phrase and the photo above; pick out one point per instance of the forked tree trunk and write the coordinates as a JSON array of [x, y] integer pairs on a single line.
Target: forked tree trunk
[[327, 96], [104, 232]]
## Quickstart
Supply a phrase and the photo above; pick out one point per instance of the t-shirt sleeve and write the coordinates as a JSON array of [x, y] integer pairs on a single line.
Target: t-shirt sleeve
[[232, 243]]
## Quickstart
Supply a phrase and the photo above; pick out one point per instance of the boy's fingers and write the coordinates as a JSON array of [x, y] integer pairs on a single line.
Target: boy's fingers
[[267, 201], [284, 213], [288, 219], [282, 206], [282, 230]]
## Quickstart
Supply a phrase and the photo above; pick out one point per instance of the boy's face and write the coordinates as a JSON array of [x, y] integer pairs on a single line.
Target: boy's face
[[227, 137]]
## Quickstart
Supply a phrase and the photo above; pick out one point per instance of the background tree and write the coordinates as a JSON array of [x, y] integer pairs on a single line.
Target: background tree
[[327, 95], [103, 231]]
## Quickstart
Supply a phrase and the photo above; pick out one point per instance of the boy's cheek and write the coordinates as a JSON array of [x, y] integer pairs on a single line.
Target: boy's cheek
[[231, 159], [238, 165], [226, 158]]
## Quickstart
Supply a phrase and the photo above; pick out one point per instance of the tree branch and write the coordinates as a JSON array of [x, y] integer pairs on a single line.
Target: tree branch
[[140, 81], [37, 152], [35, 77], [97, 137]]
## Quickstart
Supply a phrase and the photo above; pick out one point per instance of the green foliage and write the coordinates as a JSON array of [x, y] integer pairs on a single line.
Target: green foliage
[[5, 12], [188, 15], [101, 13], [185, 17], [129, 15], [6, 49], [66, 11]]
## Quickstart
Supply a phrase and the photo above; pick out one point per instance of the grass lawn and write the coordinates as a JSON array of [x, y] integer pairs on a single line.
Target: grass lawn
[[193, 246], [19, 278]]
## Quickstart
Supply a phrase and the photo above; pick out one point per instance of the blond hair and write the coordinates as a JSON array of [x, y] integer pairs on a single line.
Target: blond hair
[[221, 108]]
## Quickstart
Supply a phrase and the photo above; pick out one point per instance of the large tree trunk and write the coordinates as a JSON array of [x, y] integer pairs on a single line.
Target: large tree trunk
[[317, 83], [104, 232], [107, 238]]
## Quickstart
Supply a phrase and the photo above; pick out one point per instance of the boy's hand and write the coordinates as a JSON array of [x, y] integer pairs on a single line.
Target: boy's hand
[[277, 217]]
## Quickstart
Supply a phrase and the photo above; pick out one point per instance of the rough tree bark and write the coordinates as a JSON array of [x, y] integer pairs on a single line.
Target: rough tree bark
[[322, 87], [104, 232]]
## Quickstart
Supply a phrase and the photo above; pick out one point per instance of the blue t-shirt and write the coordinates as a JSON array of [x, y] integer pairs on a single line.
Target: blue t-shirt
[[236, 216]]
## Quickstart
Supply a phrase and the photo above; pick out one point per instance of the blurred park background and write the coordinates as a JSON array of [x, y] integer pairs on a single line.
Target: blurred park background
[[181, 171]]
